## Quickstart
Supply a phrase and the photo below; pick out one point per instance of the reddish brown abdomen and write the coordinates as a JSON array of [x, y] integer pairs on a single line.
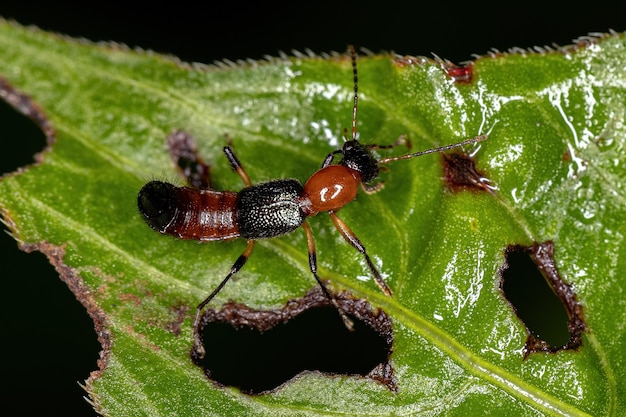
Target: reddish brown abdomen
[[208, 215], [188, 213]]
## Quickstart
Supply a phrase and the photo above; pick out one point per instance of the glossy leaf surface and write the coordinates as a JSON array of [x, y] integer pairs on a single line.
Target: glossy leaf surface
[[554, 155]]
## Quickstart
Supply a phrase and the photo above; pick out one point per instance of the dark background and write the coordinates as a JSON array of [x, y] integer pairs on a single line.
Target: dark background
[[48, 342]]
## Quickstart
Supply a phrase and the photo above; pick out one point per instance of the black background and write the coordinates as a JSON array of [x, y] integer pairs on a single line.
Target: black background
[[48, 342]]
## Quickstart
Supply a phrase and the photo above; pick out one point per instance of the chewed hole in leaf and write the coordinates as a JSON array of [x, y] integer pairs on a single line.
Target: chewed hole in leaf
[[546, 305], [184, 152], [259, 350], [18, 124], [534, 301], [460, 173]]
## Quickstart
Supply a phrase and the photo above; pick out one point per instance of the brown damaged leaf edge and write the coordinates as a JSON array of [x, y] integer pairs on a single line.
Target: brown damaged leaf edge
[[259, 350], [464, 73], [542, 254], [460, 173], [461, 74], [180, 313], [75, 283], [184, 153], [23, 104]]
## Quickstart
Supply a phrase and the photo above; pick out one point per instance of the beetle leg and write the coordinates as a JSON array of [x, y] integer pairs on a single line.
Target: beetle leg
[[313, 266], [239, 263], [351, 238]]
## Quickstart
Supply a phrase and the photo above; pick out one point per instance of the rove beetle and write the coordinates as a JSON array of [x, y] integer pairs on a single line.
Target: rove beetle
[[276, 207]]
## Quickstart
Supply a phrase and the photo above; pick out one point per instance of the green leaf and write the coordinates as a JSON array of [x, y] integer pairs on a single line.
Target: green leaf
[[555, 149]]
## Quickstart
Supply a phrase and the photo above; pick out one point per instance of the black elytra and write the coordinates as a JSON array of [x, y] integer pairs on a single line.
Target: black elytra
[[270, 209]]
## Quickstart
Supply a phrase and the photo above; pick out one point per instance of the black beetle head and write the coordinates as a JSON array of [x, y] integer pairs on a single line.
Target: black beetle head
[[357, 157]]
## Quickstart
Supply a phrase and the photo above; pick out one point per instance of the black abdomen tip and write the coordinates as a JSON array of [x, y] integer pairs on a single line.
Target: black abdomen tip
[[157, 204]]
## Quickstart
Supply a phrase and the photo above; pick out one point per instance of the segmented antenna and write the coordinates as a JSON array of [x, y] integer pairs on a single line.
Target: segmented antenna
[[356, 90], [438, 149]]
